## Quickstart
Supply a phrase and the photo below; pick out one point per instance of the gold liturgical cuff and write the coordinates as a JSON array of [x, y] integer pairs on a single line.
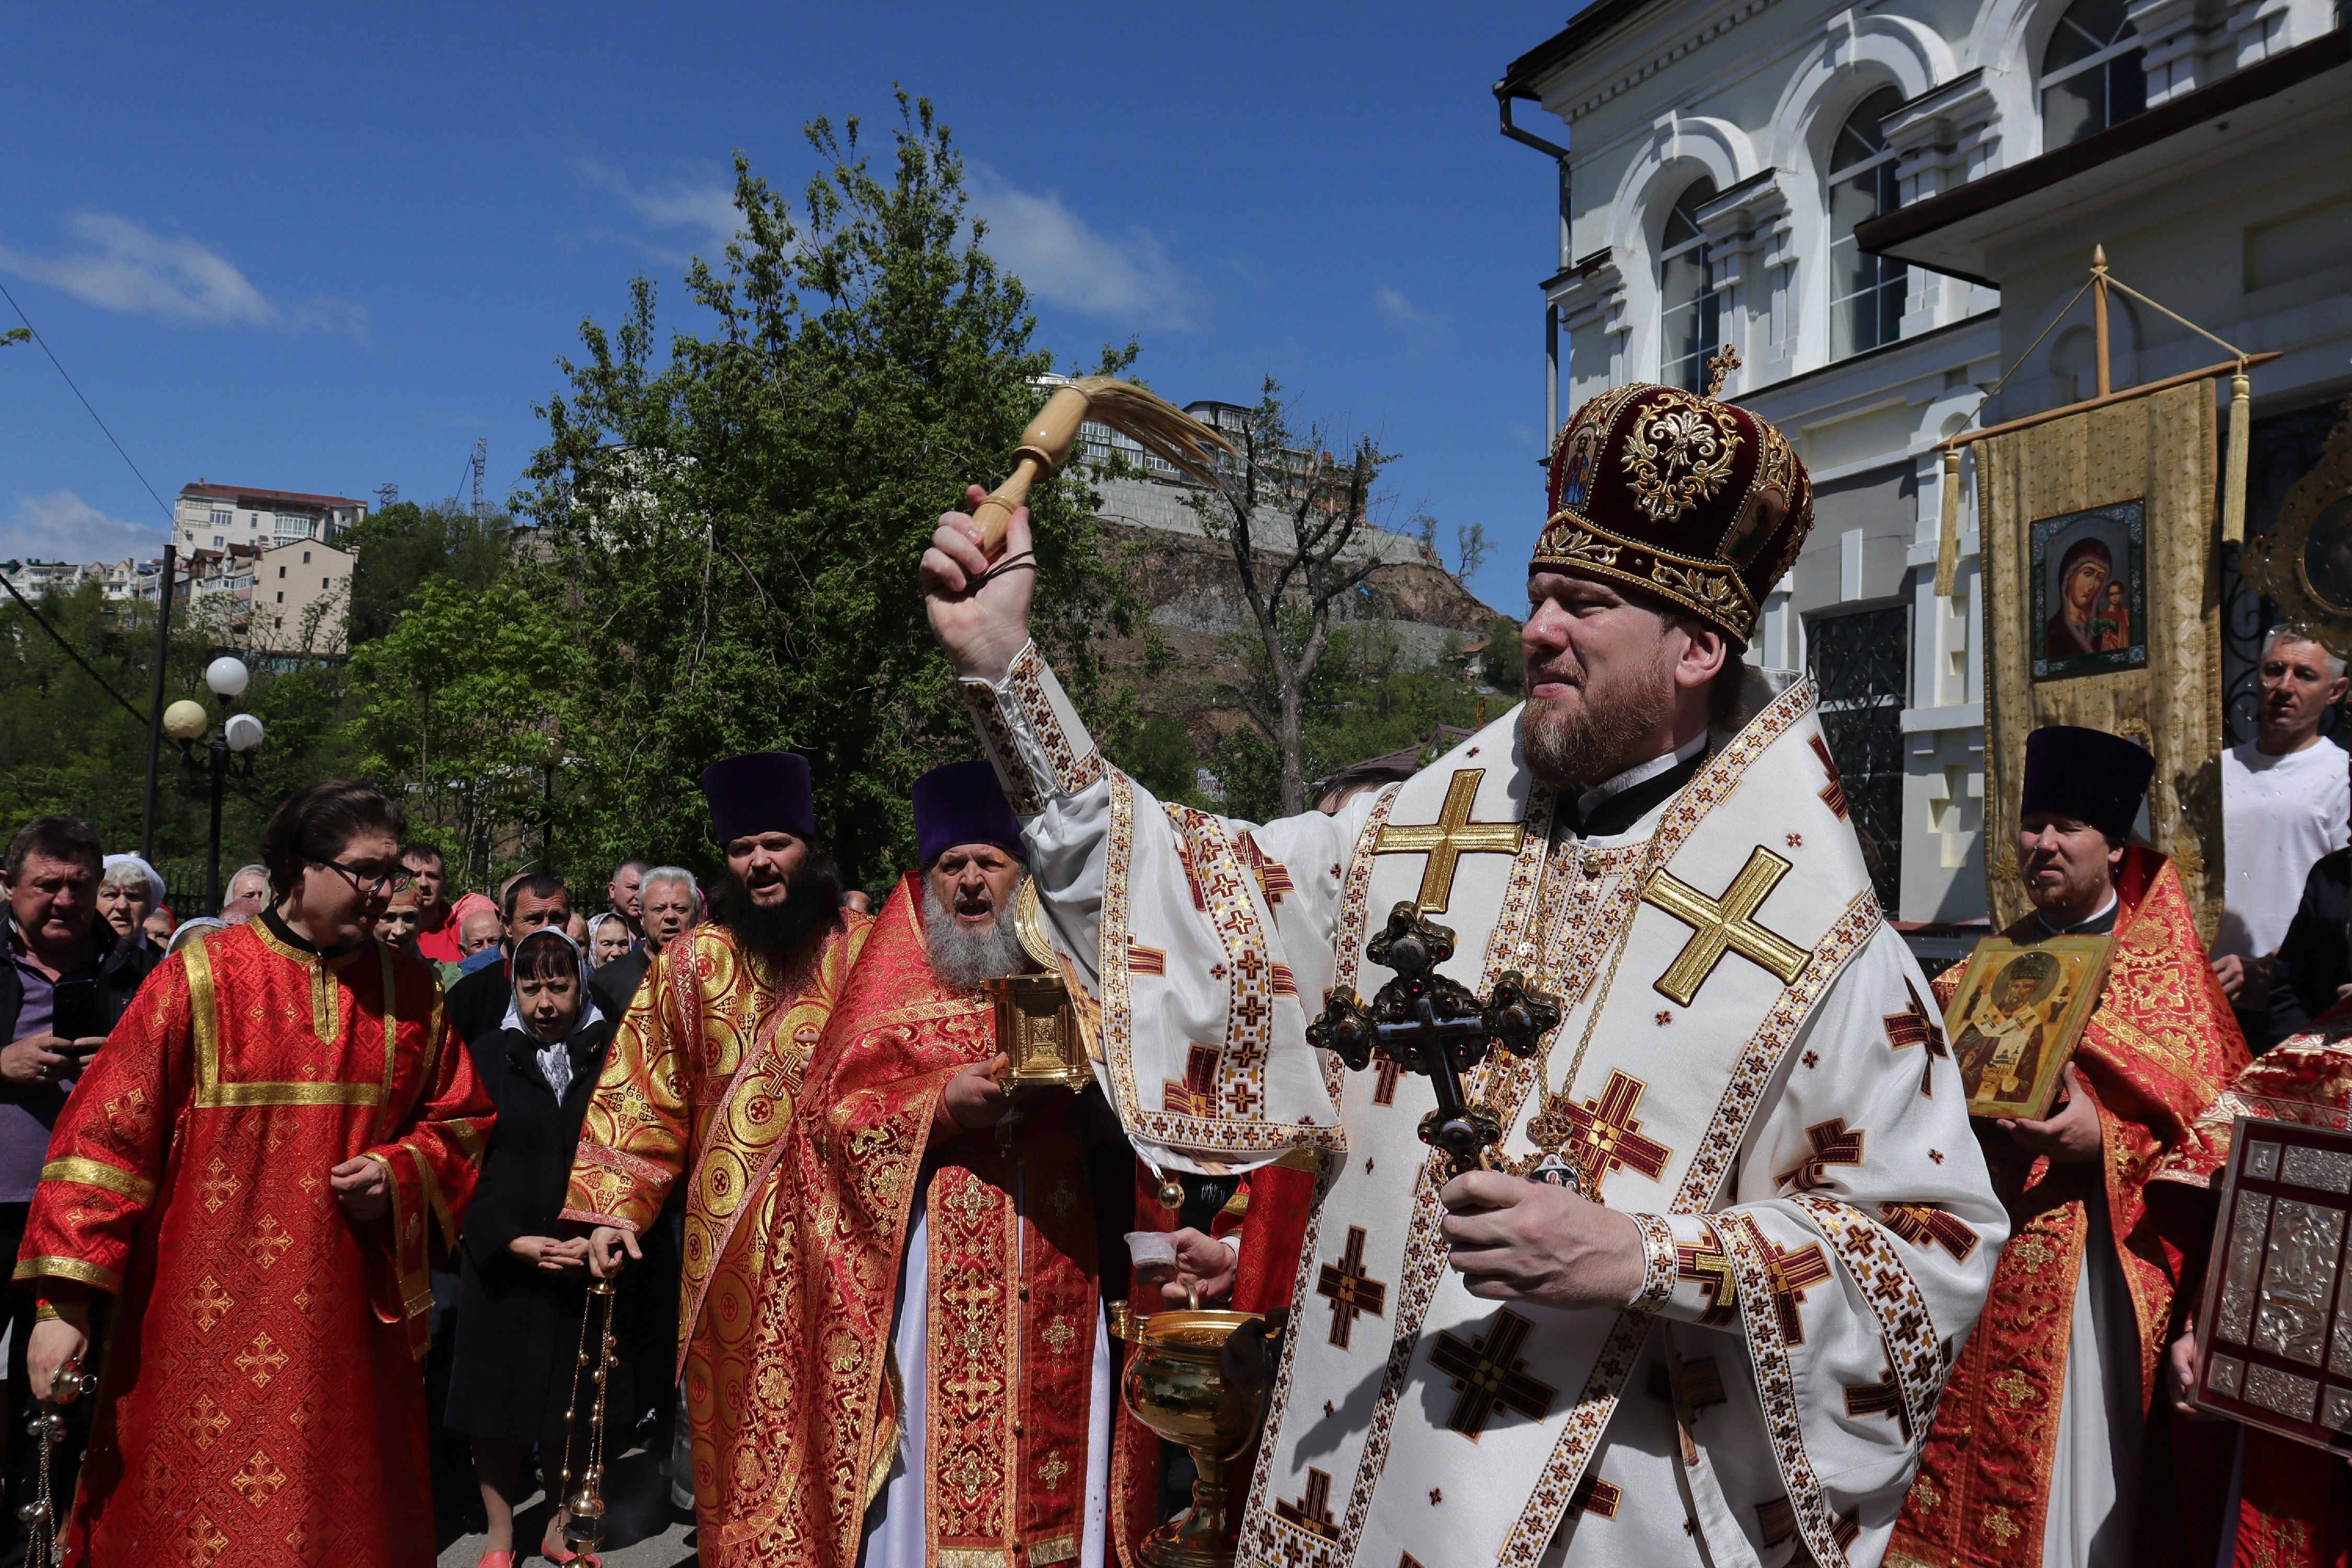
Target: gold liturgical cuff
[[1699, 1285], [1033, 734]]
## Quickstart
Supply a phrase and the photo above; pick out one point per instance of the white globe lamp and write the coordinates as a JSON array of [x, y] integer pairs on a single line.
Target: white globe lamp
[[186, 720], [243, 732], [227, 676]]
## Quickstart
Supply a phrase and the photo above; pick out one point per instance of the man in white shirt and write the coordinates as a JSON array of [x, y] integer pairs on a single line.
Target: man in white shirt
[[2284, 800]]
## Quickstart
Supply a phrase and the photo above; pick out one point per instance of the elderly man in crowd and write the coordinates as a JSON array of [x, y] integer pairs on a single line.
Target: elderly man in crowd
[[622, 894], [129, 891], [478, 1004], [668, 901], [2284, 799], [69, 975]]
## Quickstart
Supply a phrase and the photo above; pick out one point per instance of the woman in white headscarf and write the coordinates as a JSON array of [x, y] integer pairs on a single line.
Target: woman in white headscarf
[[522, 1283]]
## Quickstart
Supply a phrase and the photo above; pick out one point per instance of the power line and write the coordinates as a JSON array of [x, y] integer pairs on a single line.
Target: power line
[[71, 652], [86, 404]]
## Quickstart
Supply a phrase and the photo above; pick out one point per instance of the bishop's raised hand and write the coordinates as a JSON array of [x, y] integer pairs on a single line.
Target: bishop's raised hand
[[978, 606]]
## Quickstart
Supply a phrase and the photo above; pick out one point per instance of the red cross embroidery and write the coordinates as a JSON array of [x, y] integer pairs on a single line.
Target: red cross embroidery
[[1349, 1290], [1789, 1275], [1197, 1095], [1384, 1090], [1833, 793], [1488, 1371], [1311, 1512], [1915, 1026], [1704, 1264], [1596, 1496], [1603, 1135], [1832, 1145], [1881, 1399], [1920, 1224]]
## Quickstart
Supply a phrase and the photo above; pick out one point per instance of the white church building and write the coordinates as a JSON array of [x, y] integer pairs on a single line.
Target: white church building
[[1716, 159]]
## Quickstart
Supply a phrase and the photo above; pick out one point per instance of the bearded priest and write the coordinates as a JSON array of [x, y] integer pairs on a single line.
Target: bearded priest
[[1736, 1343], [2036, 1450], [702, 1081], [955, 1387]]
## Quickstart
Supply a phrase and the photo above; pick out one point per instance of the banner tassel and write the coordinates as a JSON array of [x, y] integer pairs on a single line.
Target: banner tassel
[[1948, 550], [2234, 477]]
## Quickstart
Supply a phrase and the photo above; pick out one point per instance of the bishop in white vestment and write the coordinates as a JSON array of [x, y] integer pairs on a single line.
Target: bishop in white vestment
[[1733, 1356]]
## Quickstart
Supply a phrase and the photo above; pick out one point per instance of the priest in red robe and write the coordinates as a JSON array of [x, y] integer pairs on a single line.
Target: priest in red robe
[[259, 1167], [2034, 1453], [955, 1369]]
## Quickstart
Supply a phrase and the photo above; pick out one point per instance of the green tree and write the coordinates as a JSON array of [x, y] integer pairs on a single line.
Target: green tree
[[1499, 661], [403, 545], [469, 707], [735, 528], [1294, 516]]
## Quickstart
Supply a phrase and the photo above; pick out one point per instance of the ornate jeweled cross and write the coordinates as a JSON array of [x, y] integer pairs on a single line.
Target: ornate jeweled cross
[[1450, 837], [1349, 1290], [1488, 1371], [1432, 1024], [1724, 925]]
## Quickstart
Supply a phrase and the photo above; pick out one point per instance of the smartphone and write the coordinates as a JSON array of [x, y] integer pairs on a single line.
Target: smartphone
[[81, 1011]]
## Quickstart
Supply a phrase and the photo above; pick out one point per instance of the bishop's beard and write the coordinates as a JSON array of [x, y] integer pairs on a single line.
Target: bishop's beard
[[965, 960], [777, 932], [1578, 744]]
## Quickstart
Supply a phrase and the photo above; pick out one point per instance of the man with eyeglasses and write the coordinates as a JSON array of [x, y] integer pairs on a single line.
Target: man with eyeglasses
[[478, 1002], [256, 1177]]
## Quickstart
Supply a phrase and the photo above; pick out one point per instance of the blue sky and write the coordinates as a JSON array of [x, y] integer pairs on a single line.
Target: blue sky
[[325, 248]]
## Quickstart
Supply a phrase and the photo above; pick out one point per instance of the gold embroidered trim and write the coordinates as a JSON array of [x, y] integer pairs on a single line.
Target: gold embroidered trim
[[973, 1557], [45, 1267], [1059, 1549], [98, 1173], [204, 1012]]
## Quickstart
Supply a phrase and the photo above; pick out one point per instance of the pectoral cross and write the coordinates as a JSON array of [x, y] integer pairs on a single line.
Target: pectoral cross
[[1920, 1224], [1488, 1371], [1724, 925], [1450, 837], [1349, 1290], [1432, 1024]]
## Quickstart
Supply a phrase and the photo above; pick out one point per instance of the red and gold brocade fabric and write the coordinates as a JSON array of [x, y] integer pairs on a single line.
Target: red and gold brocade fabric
[[1012, 1301], [703, 1079], [259, 1400], [2159, 1047]]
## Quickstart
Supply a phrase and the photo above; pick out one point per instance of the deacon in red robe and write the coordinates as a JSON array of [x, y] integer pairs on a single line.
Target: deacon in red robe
[[259, 1167], [703, 1081], [2034, 1453], [954, 1378]]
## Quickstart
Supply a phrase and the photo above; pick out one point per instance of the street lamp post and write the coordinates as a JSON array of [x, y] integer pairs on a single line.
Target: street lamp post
[[186, 723]]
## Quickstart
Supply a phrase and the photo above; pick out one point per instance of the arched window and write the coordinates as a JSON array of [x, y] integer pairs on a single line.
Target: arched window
[[1865, 292], [2090, 73], [1688, 309]]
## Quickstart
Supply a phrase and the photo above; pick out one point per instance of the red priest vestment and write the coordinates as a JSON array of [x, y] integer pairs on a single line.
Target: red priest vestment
[[1009, 1298], [260, 1401], [702, 1080], [2159, 1046], [2294, 1502]]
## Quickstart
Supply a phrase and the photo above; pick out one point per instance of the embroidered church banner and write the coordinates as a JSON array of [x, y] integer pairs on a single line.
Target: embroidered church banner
[[2103, 606]]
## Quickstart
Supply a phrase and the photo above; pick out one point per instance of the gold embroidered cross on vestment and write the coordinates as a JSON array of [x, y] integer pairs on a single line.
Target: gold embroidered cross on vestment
[[1450, 837], [1724, 925]]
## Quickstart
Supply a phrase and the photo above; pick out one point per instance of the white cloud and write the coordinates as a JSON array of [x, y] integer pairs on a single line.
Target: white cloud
[[675, 204], [123, 267], [61, 526], [1397, 308], [1062, 257]]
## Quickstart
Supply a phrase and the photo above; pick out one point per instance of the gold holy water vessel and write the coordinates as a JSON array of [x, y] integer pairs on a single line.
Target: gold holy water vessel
[[1036, 1026], [1197, 1378]]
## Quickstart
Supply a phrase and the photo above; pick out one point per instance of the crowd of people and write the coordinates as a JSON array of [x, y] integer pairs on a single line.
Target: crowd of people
[[1730, 1275]]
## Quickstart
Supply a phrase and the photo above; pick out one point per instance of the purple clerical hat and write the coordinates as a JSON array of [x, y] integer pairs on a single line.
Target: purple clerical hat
[[962, 802], [2087, 774], [760, 791]]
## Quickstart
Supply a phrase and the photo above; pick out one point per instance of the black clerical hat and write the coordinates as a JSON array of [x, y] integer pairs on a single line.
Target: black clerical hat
[[962, 802], [2087, 774], [760, 791]]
